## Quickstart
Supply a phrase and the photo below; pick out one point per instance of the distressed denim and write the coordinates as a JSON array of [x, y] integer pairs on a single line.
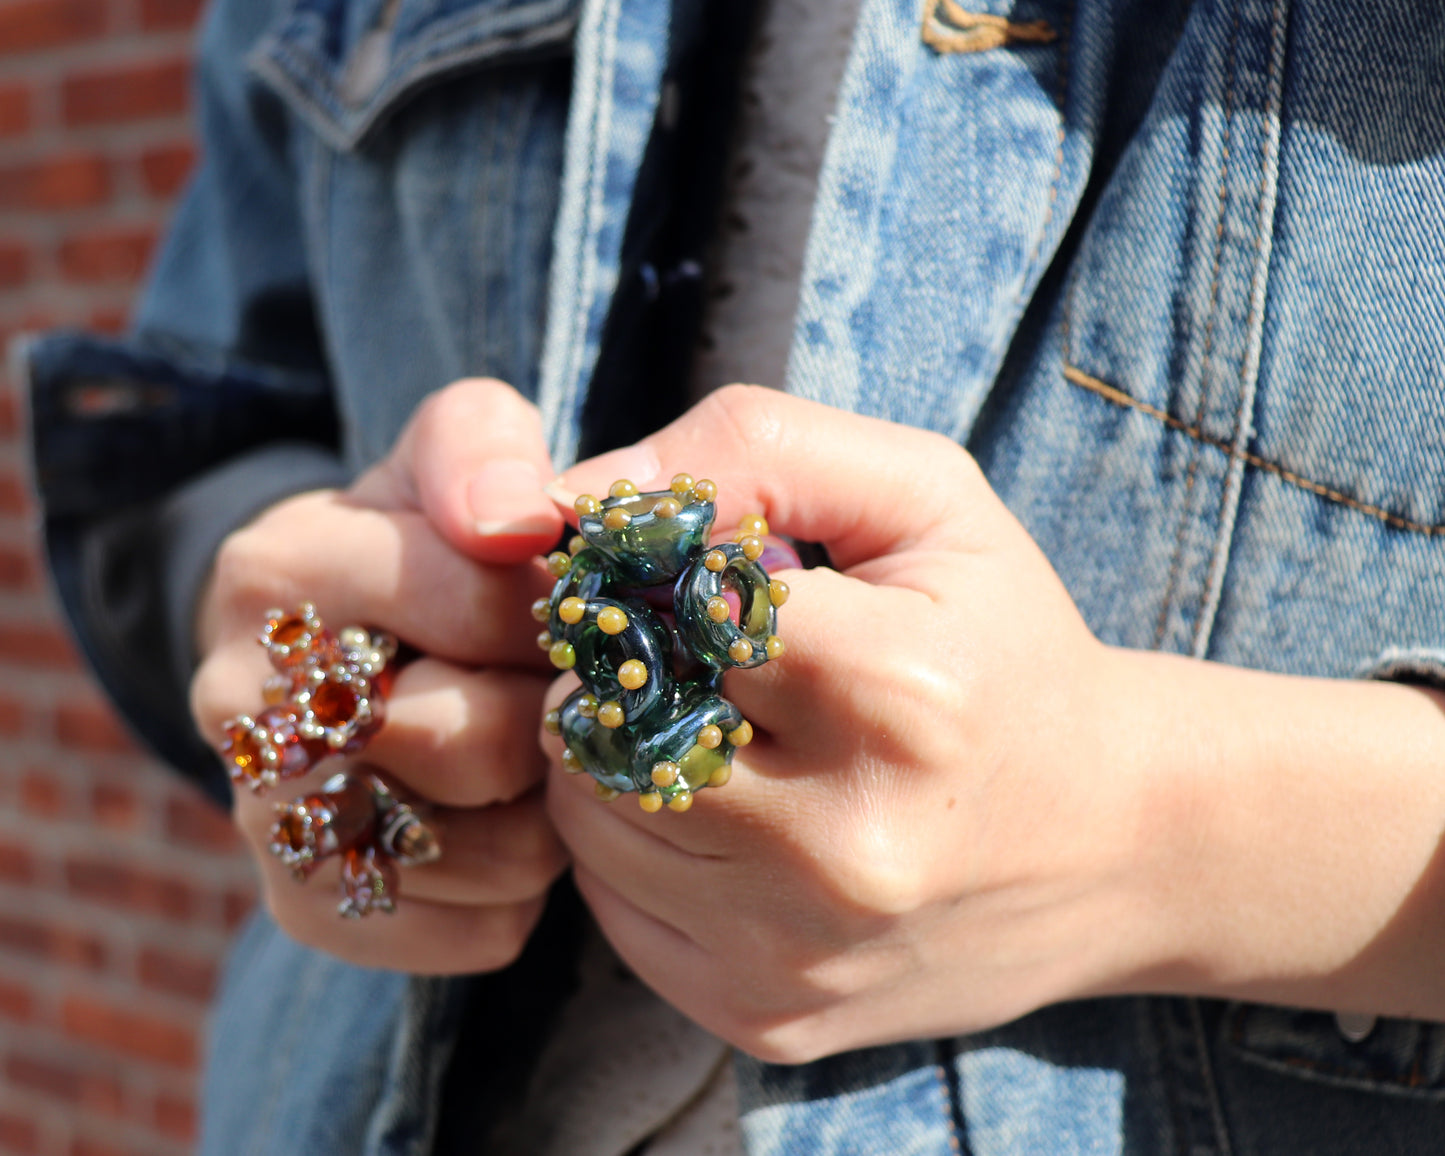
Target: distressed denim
[[1176, 276]]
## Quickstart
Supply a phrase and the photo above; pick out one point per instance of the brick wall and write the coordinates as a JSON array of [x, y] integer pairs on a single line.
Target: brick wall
[[118, 886]]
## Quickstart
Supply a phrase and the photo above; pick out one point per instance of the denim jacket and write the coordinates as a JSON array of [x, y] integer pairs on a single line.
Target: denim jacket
[[1174, 270]]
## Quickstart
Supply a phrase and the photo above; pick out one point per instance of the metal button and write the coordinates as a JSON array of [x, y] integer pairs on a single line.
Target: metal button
[[1355, 1026]]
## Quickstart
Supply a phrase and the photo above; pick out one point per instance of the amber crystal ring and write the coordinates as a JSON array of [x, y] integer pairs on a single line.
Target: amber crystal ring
[[649, 616], [326, 696], [361, 819]]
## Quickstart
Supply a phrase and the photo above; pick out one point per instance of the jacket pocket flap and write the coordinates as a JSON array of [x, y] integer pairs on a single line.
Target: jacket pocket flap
[[345, 67]]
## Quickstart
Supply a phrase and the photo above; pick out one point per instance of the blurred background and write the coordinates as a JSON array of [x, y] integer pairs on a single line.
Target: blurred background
[[119, 886]]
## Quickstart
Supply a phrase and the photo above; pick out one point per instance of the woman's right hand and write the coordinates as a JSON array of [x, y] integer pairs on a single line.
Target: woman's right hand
[[438, 545]]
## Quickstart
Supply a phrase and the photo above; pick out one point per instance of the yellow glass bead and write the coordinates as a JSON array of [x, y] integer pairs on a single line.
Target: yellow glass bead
[[752, 548], [710, 736], [741, 650], [563, 655], [612, 620], [650, 801], [544, 640], [742, 734], [571, 763], [632, 674], [754, 524], [576, 544], [587, 706], [716, 561], [571, 610], [680, 802], [681, 484], [721, 776], [705, 491], [617, 518], [610, 715], [667, 508], [622, 488], [586, 505], [718, 609], [552, 722], [778, 591], [606, 793], [775, 646], [665, 774], [541, 609], [558, 564]]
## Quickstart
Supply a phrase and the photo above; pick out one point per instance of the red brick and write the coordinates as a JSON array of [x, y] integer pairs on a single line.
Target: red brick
[[17, 1002], [170, 971], [90, 1146], [26, 25], [44, 795], [19, 1136], [158, 14], [134, 92], [52, 942], [194, 821], [237, 907], [91, 726], [59, 182], [14, 717], [45, 646], [9, 410], [129, 1032], [114, 806], [176, 1118], [115, 254], [14, 494], [17, 864], [17, 568], [14, 110], [108, 320], [120, 884], [164, 170], [82, 1086], [14, 264]]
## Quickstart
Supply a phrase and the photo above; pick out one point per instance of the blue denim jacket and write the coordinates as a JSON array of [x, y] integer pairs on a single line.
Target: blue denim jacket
[[1176, 276]]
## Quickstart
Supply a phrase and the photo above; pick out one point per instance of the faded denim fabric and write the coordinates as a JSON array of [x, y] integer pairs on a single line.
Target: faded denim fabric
[[1176, 276]]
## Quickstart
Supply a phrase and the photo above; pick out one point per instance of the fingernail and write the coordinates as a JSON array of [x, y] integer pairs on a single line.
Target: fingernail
[[506, 498], [638, 464]]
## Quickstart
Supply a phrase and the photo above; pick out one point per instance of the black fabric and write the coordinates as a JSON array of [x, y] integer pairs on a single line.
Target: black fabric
[[650, 336]]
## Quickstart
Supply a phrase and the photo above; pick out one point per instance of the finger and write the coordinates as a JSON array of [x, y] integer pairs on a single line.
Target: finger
[[500, 854], [420, 937], [383, 568], [462, 738], [473, 458], [864, 488]]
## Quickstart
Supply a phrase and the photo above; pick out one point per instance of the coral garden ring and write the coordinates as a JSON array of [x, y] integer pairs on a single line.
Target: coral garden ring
[[649, 616]]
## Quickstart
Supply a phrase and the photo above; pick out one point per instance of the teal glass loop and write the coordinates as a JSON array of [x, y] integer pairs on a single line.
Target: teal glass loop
[[650, 548], [718, 642], [649, 616]]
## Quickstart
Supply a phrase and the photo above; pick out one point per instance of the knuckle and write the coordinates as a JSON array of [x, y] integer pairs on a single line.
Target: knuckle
[[748, 413]]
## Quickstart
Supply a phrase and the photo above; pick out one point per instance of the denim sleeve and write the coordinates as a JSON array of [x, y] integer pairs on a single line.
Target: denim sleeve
[[149, 449]]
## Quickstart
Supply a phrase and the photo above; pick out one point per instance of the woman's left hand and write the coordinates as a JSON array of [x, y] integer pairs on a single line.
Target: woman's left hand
[[937, 826]]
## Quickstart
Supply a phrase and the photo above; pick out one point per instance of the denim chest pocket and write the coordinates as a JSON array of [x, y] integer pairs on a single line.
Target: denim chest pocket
[[346, 67], [1401, 1057]]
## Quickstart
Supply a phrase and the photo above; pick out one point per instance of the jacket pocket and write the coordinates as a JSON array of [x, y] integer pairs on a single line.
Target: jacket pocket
[[1397, 1056], [346, 67]]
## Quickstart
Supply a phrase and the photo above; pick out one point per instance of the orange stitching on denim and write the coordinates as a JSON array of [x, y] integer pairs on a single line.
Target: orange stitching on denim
[[1211, 327], [947, 28], [1120, 398]]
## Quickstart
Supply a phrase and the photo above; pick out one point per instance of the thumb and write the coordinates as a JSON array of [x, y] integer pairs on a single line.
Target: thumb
[[862, 487], [474, 459]]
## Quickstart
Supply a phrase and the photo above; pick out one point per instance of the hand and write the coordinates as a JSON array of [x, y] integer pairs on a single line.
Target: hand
[[437, 544], [933, 829]]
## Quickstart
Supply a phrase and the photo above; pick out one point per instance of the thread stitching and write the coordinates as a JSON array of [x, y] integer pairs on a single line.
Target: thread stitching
[[1284, 473], [1211, 327], [948, 28]]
